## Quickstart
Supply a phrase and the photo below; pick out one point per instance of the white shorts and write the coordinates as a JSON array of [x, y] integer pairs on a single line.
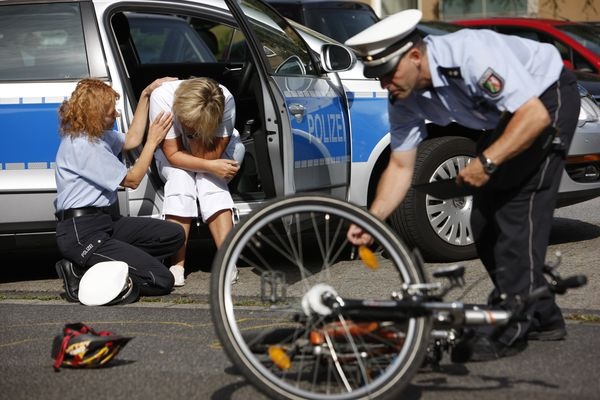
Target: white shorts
[[185, 190]]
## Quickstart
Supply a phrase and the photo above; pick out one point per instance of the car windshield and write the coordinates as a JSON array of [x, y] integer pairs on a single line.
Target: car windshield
[[587, 35], [340, 24]]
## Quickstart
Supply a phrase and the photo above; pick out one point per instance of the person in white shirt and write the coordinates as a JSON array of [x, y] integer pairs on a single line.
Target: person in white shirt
[[200, 154]]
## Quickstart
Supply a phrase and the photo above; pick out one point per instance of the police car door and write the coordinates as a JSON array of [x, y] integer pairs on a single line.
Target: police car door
[[316, 154]]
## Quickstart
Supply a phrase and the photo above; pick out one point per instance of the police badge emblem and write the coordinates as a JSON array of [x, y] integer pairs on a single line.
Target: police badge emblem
[[491, 82]]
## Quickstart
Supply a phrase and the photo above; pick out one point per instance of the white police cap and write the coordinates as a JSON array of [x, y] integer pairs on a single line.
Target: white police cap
[[381, 45], [107, 283]]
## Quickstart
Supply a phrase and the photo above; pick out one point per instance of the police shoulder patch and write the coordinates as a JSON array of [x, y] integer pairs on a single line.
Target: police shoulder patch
[[491, 82]]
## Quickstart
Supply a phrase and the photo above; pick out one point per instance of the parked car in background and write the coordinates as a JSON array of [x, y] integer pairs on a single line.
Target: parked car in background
[[578, 43], [338, 19]]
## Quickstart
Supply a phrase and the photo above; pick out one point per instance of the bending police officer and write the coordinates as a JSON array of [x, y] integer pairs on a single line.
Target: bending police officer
[[482, 80]]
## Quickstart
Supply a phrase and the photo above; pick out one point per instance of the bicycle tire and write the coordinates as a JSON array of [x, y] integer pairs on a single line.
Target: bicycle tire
[[251, 321]]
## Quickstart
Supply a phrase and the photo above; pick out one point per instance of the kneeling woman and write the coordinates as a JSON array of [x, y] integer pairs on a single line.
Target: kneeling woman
[[88, 173]]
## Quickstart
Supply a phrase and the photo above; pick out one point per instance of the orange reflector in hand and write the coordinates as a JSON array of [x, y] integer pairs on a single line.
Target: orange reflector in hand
[[367, 257], [279, 357]]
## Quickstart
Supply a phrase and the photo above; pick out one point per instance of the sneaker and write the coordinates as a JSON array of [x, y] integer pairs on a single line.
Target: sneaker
[[178, 273], [235, 276], [547, 334], [71, 275]]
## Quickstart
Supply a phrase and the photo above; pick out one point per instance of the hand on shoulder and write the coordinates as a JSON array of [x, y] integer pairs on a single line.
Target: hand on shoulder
[[150, 88]]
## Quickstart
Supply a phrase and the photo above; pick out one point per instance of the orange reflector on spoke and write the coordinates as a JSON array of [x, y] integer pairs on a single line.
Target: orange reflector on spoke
[[368, 257], [279, 357], [316, 338], [583, 159]]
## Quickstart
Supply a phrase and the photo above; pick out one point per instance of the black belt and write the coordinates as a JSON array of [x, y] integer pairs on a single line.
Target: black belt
[[79, 212]]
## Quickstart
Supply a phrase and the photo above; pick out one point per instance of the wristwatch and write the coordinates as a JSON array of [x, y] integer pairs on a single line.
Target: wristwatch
[[488, 165]]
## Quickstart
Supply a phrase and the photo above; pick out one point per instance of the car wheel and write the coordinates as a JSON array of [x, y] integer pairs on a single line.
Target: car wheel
[[441, 229]]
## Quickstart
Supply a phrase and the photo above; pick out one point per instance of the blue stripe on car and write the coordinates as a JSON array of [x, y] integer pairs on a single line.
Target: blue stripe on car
[[30, 136], [369, 121]]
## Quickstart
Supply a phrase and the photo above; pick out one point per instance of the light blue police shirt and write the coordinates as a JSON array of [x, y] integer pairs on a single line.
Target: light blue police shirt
[[476, 75], [88, 173]]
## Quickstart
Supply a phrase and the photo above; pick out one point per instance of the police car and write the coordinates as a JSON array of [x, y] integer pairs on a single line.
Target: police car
[[291, 112], [308, 125]]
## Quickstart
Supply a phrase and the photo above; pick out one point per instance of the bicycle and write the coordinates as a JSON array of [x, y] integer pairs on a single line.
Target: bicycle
[[304, 323]]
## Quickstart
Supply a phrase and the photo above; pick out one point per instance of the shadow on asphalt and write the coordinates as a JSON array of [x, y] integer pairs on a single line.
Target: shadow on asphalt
[[38, 264], [565, 230]]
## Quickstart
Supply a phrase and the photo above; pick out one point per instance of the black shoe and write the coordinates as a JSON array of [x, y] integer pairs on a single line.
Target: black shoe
[[71, 277], [482, 348], [547, 334]]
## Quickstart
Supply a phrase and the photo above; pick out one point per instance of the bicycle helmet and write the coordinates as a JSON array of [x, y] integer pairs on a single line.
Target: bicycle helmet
[[107, 283], [81, 347]]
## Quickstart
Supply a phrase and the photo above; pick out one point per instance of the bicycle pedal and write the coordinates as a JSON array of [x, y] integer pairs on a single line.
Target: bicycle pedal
[[452, 272]]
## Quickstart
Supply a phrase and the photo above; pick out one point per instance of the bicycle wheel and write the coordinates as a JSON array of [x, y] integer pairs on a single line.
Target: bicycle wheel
[[274, 332]]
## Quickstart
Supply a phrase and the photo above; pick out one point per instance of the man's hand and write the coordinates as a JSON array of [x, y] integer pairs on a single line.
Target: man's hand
[[473, 174], [357, 236]]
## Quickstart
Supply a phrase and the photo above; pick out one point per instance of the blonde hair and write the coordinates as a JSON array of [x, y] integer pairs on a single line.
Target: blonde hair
[[199, 104], [84, 112]]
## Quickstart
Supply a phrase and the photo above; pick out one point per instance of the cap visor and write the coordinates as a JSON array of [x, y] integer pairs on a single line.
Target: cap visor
[[378, 71]]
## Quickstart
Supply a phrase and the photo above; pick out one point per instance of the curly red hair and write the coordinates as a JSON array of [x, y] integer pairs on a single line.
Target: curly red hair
[[84, 112]]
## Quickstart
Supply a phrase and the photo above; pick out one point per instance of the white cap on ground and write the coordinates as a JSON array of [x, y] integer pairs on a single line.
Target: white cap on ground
[[104, 282]]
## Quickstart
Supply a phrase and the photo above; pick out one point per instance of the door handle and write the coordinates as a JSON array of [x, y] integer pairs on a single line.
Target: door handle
[[298, 111]]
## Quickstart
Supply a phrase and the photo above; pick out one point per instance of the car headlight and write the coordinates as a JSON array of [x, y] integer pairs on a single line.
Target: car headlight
[[589, 111]]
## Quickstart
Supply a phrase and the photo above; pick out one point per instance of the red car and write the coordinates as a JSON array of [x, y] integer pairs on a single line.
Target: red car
[[579, 44]]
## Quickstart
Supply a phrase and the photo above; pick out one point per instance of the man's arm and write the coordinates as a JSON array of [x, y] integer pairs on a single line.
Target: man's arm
[[524, 127], [391, 190], [394, 183]]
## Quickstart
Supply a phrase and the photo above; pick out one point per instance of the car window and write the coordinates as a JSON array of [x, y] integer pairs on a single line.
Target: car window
[[227, 43], [586, 35], [581, 64], [166, 39], [42, 42], [519, 31], [283, 49], [437, 28]]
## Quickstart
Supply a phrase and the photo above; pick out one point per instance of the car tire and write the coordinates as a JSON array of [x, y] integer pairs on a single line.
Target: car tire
[[441, 229]]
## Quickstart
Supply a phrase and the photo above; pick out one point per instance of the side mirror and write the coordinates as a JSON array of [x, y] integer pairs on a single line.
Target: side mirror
[[336, 58]]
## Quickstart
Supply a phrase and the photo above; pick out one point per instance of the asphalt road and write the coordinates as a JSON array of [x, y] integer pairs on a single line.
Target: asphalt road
[[175, 353]]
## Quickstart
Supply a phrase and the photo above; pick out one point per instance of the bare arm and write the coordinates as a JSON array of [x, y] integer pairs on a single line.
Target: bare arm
[[525, 126], [178, 157], [135, 134], [391, 190], [212, 153], [156, 133]]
